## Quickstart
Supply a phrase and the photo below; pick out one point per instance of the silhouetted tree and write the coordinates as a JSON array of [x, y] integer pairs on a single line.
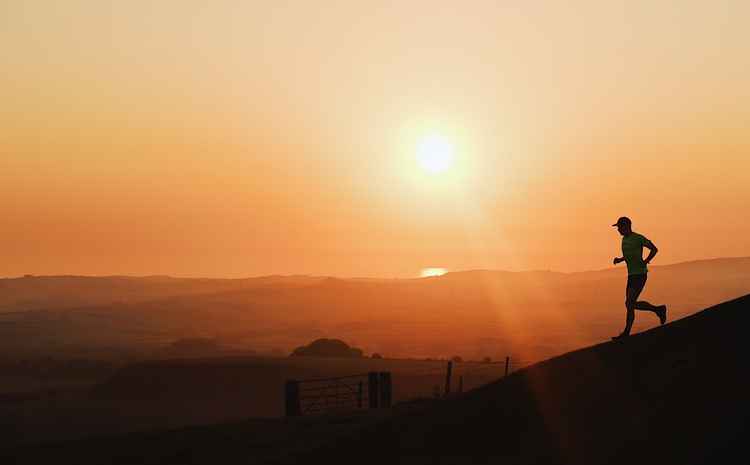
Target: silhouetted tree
[[377, 355], [487, 360], [327, 348]]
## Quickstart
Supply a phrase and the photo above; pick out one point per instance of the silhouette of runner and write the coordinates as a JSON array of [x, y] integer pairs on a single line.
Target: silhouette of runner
[[632, 251]]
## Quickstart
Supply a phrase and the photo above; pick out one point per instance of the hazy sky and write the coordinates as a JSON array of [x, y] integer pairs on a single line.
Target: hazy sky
[[243, 138]]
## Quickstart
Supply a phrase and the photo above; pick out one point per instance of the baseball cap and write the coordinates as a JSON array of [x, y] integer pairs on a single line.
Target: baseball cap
[[623, 220]]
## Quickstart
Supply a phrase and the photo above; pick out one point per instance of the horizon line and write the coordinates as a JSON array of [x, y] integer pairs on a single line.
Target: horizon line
[[323, 276]]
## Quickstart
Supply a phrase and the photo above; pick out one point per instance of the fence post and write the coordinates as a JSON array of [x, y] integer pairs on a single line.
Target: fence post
[[386, 389], [293, 408], [460, 384], [507, 364], [448, 378], [359, 395], [373, 393]]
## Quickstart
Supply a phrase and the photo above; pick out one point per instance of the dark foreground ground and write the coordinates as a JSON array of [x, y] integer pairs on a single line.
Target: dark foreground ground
[[675, 394], [177, 393]]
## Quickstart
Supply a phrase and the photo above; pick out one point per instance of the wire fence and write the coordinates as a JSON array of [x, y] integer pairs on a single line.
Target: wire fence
[[333, 394], [376, 389], [337, 394], [468, 375], [469, 367]]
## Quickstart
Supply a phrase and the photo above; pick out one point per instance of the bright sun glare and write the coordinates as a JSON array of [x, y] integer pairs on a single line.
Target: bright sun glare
[[435, 153], [427, 272]]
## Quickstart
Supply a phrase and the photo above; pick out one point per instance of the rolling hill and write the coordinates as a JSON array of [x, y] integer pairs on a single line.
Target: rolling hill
[[532, 315]]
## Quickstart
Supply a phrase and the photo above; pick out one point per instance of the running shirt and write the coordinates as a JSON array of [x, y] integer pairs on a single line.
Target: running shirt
[[632, 251]]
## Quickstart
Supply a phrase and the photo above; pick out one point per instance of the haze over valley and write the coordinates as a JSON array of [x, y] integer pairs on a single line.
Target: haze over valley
[[473, 314]]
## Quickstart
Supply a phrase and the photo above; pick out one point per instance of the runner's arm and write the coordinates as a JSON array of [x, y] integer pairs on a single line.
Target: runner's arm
[[652, 251]]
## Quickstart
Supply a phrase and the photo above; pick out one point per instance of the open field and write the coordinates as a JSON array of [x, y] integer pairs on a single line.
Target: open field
[[674, 394], [173, 393]]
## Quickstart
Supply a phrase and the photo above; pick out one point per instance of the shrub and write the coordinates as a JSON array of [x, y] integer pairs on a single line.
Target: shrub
[[327, 348]]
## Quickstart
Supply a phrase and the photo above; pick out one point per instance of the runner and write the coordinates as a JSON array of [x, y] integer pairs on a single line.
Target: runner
[[632, 251]]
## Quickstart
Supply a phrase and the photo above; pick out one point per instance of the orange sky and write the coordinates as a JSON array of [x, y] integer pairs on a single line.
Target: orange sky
[[247, 138]]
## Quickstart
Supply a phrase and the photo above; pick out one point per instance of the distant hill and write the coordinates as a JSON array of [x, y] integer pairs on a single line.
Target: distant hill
[[673, 394], [58, 292], [473, 314]]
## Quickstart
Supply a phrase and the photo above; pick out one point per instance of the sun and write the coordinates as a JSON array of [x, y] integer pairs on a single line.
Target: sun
[[435, 153], [431, 272]]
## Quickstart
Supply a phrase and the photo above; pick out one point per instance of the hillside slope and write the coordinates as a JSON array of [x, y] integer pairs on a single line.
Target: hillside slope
[[675, 394]]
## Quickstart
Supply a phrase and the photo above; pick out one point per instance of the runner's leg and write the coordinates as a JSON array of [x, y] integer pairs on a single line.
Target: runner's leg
[[631, 296], [632, 291], [659, 310], [643, 305]]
